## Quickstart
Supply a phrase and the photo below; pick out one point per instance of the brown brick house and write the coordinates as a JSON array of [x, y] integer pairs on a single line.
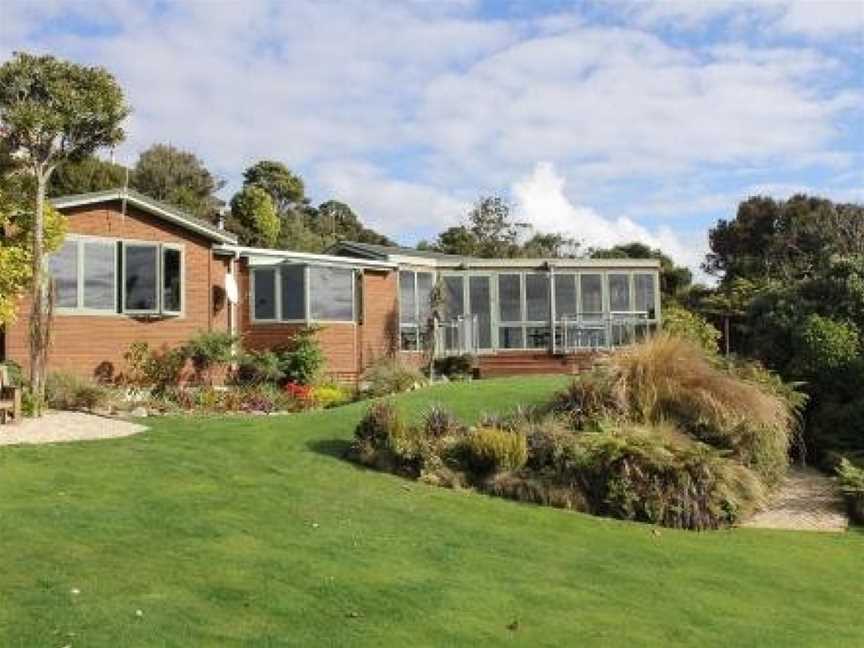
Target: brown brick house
[[133, 269]]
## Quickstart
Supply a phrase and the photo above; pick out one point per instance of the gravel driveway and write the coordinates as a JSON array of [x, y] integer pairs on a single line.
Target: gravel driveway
[[58, 427]]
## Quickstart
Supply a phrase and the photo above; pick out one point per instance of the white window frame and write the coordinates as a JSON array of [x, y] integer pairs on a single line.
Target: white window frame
[[182, 250], [79, 240]]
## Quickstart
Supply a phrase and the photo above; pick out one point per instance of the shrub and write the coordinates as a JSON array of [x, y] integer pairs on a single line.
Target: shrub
[[302, 360], [588, 398], [852, 486], [439, 422], [14, 374], [488, 450], [680, 322], [70, 392], [822, 345], [391, 375], [455, 366], [209, 350], [671, 378], [259, 367], [329, 395], [657, 474], [149, 368]]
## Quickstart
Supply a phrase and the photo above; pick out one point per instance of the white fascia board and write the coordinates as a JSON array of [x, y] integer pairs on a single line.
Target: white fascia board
[[147, 207], [282, 256]]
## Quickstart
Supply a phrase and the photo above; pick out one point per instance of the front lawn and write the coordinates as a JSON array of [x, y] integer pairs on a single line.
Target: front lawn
[[254, 531]]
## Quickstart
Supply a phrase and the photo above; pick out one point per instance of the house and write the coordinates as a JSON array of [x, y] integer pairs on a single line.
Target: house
[[134, 269]]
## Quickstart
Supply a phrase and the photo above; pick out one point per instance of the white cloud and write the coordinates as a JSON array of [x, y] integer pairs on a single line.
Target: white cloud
[[541, 201]]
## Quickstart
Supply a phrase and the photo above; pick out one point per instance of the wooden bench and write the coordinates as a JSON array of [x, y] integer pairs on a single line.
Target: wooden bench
[[10, 399]]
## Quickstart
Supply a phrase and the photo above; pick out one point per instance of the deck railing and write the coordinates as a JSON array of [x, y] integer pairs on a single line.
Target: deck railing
[[457, 336], [600, 331]]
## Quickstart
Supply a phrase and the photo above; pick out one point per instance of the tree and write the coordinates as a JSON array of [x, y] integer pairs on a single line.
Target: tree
[[86, 175], [551, 246], [177, 177], [493, 228], [673, 278], [338, 221], [253, 211], [286, 189], [52, 111], [458, 240]]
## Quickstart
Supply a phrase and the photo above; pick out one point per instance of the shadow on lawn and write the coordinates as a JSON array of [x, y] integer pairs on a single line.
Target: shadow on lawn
[[337, 448]]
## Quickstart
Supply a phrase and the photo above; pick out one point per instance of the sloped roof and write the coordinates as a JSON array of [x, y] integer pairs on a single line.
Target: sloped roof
[[383, 251], [151, 206]]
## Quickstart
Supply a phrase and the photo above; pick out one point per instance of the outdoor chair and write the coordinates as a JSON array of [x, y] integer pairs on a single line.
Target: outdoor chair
[[10, 399]]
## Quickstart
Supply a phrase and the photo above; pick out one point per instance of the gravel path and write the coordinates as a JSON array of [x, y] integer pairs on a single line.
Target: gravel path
[[56, 427], [807, 501]]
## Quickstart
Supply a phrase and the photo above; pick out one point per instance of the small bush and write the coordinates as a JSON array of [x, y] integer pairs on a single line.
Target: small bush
[[14, 374], [70, 392], [439, 422], [822, 345], [851, 479], [487, 450], [208, 351], [259, 367], [158, 370], [329, 395], [302, 360], [682, 323], [390, 376], [586, 399], [455, 366]]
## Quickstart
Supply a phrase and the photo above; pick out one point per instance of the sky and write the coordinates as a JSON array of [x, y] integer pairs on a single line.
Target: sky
[[607, 121]]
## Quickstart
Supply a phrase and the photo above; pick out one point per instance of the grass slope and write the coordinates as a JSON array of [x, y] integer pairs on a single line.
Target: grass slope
[[253, 532]]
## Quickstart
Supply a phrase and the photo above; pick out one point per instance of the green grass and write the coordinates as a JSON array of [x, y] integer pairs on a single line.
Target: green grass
[[252, 531]]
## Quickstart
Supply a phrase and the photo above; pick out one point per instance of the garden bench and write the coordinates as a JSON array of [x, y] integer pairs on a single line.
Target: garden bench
[[10, 399]]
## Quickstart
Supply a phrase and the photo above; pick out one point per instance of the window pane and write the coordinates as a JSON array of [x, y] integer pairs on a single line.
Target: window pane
[[265, 293], [407, 301], [454, 298], [141, 271], [293, 292], [537, 297], [408, 338], [478, 294], [619, 292], [330, 294], [99, 270], [510, 298], [510, 337], [591, 286], [565, 296], [425, 284], [63, 266], [537, 337], [645, 294], [172, 277]]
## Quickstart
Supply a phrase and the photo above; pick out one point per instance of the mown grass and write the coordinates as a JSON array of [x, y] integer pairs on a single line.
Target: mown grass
[[253, 531]]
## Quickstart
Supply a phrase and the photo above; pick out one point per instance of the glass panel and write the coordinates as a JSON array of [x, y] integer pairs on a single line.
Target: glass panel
[[407, 297], [509, 298], [591, 286], [63, 266], [265, 293], [408, 337], [480, 301], [537, 337], [425, 284], [565, 296], [510, 337], [645, 294], [99, 270], [454, 298], [141, 271], [330, 294], [293, 292], [537, 297], [172, 280], [619, 292]]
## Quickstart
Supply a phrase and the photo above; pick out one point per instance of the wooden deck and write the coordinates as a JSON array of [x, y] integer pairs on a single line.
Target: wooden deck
[[514, 363]]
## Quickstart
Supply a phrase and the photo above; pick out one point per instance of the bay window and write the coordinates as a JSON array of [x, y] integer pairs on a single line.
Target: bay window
[[104, 276]]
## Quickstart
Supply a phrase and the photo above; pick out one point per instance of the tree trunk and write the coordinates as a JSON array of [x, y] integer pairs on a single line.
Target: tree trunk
[[726, 334], [39, 314]]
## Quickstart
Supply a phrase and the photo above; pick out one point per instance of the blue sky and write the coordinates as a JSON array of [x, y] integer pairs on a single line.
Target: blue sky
[[606, 120]]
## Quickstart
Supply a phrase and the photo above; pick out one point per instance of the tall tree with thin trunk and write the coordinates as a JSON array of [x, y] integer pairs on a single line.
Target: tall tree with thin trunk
[[52, 111]]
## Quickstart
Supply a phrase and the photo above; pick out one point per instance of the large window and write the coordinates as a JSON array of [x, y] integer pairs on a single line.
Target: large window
[[415, 307], [646, 299], [89, 275], [510, 298], [537, 297], [300, 293], [619, 292], [591, 292], [565, 296]]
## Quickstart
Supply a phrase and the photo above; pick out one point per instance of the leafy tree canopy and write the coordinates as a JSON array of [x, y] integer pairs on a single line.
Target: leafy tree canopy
[[338, 221], [177, 177], [254, 217], [285, 187], [86, 175]]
